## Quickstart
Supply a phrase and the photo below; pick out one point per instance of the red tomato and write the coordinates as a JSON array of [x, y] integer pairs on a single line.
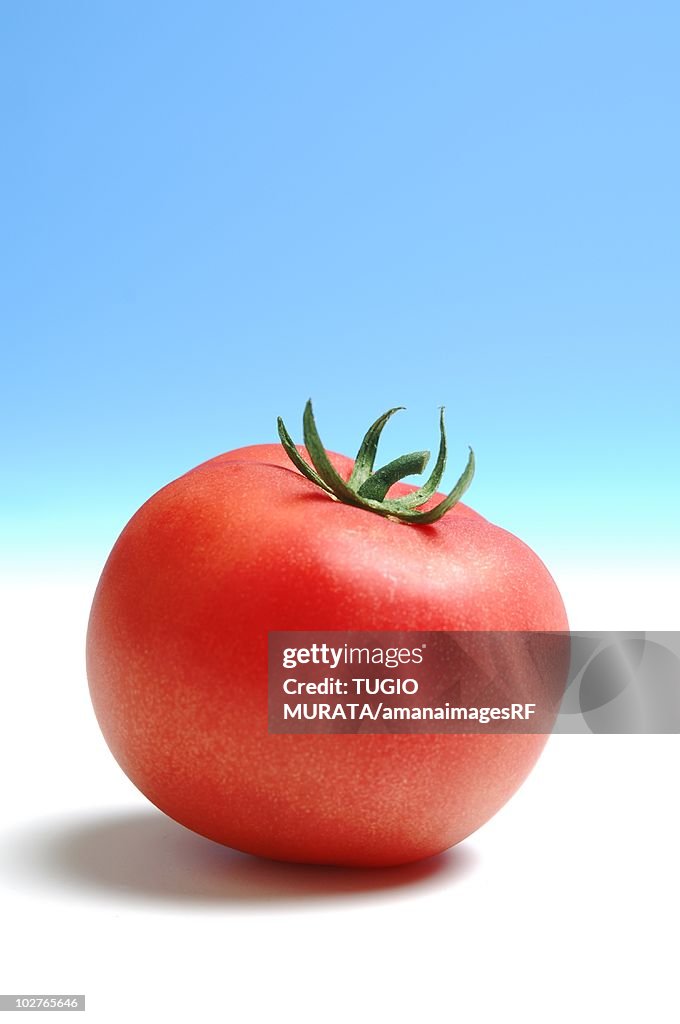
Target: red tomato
[[177, 661]]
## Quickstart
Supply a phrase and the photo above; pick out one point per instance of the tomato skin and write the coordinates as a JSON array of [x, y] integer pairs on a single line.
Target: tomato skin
[[177, 661]]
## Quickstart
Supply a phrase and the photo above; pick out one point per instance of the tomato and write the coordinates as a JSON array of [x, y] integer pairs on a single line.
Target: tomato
[[177, 659]]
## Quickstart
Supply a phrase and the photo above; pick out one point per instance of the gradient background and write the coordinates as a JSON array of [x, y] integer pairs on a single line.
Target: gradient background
[[214, 211]]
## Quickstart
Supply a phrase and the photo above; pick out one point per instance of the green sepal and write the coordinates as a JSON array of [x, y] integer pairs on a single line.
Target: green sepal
[[379, 483], [322, 464], [363, 464], [435, 513], [425, 492], [295, 457]]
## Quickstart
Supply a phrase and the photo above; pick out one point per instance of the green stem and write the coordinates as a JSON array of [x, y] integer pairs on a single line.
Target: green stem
[[368, 489]]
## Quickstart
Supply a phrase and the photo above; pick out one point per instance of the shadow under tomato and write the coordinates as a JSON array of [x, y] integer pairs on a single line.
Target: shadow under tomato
[[145, 856]]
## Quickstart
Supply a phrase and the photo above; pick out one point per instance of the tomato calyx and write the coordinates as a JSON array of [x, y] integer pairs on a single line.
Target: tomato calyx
[[366, 488]]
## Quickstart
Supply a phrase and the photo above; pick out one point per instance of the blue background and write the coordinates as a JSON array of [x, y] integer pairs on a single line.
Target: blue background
[[212, 211]]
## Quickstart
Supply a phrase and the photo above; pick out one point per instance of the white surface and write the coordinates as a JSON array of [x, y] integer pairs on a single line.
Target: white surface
[[564, 907]]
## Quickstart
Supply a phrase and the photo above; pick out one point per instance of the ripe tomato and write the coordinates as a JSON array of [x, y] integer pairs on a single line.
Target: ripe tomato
[[177, 660]]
